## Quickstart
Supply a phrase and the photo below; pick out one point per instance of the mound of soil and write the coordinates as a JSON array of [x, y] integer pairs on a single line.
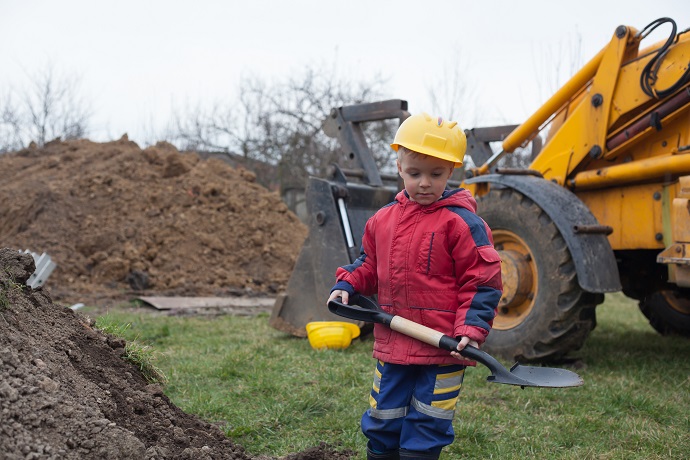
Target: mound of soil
[[67, 393], [117, 219]]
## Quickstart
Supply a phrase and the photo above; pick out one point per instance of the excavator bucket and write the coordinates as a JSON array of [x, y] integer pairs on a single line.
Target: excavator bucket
[[337, 210], [335, 229]]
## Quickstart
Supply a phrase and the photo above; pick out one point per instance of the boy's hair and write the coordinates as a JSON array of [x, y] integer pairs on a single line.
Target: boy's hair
[[404, 151]]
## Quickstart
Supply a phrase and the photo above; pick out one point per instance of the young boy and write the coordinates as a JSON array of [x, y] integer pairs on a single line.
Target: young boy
[[430, 259]]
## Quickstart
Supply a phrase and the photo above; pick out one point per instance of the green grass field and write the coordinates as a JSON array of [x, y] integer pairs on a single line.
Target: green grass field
[[275, 395]]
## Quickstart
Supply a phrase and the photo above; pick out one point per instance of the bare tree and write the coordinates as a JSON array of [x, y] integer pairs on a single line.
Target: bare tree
[[451, 94], [556, 63], [10, 125], [279, 124], [50, 107]]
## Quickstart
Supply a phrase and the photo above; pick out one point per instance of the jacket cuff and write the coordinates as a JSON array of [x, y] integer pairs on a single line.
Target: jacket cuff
[[477, 334], [344, 286]]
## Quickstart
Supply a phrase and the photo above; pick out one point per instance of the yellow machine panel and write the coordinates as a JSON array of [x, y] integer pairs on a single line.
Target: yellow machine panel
[[635, 213]]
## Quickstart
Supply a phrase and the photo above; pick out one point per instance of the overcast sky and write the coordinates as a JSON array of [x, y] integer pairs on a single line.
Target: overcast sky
[[137, 60]]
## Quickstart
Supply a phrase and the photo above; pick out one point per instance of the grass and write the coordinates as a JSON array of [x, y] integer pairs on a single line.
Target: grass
[[275, 395], [7, 286], [142, 356]]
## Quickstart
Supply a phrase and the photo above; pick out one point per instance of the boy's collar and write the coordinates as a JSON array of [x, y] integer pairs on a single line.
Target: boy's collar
[[446, 193], [450, 192]]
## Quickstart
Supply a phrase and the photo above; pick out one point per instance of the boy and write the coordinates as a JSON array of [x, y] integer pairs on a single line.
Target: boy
[[430, 259]]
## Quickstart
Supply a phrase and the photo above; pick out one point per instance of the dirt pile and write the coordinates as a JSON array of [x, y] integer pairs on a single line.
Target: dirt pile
[[116, 218], [66, 393]]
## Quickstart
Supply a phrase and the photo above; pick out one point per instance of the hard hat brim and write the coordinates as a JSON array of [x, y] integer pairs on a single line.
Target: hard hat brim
[[432, 153]]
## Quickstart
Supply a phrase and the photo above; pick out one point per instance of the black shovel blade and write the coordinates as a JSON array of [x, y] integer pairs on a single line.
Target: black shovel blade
[[523, 376], [545, 377]]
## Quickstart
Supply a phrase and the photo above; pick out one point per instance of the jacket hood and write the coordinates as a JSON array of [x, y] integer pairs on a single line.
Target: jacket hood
[[459, 197]]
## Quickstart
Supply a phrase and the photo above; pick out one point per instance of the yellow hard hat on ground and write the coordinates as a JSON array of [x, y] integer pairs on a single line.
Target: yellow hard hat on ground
[[331, 334], [432, 136]]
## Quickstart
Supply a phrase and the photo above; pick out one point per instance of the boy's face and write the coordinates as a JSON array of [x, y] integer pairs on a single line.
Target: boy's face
[[425, 177]]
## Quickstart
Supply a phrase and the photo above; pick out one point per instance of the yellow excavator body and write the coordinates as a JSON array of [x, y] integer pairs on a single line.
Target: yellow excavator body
[[603, 206]]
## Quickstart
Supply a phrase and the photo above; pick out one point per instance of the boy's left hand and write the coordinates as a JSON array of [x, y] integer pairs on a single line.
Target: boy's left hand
[[464, 341]]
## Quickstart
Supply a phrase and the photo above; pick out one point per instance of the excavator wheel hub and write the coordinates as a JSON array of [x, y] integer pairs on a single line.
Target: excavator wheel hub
[[517, 278], [678, 303], [518, 272]]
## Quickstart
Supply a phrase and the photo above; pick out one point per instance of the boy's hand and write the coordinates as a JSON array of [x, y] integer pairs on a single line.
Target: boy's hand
[[464, 341], [338, 293]]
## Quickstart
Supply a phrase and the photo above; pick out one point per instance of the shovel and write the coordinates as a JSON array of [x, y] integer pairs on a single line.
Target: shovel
[[365, 309]]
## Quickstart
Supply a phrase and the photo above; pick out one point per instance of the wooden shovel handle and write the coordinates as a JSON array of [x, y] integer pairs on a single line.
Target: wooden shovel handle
[[434, 338]]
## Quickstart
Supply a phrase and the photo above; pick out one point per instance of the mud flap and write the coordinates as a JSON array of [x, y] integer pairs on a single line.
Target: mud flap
[[337, 215], [593, 257]]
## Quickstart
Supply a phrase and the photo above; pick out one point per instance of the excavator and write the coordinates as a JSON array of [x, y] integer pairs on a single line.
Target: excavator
[[602, 207]]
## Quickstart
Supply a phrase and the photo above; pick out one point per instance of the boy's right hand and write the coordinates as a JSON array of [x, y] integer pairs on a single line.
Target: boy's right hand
[[338, 293], [464, 341]]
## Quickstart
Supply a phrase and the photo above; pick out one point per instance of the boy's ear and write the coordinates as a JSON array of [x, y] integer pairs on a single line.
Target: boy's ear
[[397, 162]]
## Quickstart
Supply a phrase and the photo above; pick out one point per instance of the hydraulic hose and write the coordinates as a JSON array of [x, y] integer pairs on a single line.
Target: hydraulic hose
[[648, 76]]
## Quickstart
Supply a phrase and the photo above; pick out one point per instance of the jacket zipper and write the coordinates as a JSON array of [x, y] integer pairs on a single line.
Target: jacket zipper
[[428, 259]]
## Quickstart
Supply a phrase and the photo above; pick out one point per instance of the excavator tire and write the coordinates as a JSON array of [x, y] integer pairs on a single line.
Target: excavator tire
[[668, 311], [543, 313]]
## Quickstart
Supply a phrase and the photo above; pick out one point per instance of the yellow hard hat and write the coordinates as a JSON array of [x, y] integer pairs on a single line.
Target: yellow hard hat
[[331, 334], [432, 136]]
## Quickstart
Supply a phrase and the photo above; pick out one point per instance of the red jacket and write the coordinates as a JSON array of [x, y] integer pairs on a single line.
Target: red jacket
[[435, 265]]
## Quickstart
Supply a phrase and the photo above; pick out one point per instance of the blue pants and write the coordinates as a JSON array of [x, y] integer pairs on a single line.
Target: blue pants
[[412, 407]]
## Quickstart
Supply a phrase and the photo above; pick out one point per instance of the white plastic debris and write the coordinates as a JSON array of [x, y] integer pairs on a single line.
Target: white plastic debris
[[44, 267]]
